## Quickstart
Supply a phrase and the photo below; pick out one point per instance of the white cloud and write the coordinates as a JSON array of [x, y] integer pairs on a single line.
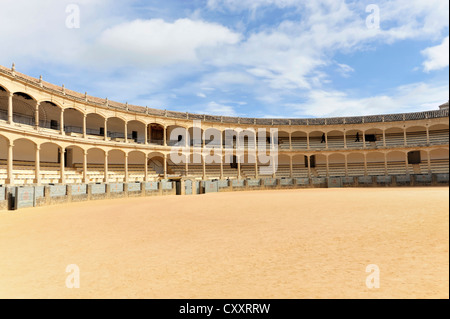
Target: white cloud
[[202, 95], [407, 98], [158, 43], [437, 56]]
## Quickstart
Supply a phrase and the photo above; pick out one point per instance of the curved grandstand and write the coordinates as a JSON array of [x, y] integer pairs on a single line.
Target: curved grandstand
[[53, 136]]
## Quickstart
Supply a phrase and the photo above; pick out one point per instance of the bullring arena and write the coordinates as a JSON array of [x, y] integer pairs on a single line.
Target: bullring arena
[[92, 182]]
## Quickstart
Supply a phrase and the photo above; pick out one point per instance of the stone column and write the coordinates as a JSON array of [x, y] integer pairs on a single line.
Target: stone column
[[429, 162], [221, 165], [36, 116], [10, 161], [126, 132], [291, 167], [307, 141], [290, 141], [145, 169], [346, 165], [365, 165], [309, 165], [238, 158], [345, 139], [10, 108], [62, 179], [327, 165], [105, 168], [428, 135], [364, 139], [404, 137], [61, 122], [85, 168], [37, 165], [326, 140], [105, 133], [204, 167], [165, 166], [146, 135], [126, 168], [384, 138], [84, 125], [385, 165], [165, 136], [406, 163]]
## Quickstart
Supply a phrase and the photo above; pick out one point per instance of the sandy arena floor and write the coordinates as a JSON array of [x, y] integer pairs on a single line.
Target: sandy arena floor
[[313, 243]]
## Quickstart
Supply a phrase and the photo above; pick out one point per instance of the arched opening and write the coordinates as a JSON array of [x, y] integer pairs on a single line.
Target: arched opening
[[439, 161], [284, 166], [136, 166], [196, 136], [299, 165], [24, 159], [439, 134], [96, 169], [299, 140], [336, 165], [374, 138], [73, 122], [375, 164], [155, 165], [355, 164], [397, 163], [321, 165], [335, 140], [317, 140], [49, 115], [74, 165], [156, 134], [24, 109], [395, 136], [177, 135], [95, 125], [283, 140], [136, 132], [50, 158], [354, 139], [416, 135], [116, 166], [116, 129]]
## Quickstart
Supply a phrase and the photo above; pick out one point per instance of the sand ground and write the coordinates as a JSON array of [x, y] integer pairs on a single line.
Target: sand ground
[[313, 243]]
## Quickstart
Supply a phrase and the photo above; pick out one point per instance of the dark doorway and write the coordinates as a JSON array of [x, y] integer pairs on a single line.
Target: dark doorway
[[414, 157]]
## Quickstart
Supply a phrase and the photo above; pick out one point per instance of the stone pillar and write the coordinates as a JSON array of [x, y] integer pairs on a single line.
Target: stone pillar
[[37, 165], [365, 164], [106, 129], [85, 168], [406, 163], [186, 165], [384, 138], [429, 162], [165, 136], [307, 141], [84, 125], [126, 168], [238, 158], [146, 135], [326, 140], [428, 135], [145, 169], [10, 108], [345, 140], [105, 168], [385, 165], [126, 132], [346, 165], [327, 165], [36, 116], [10, 161], [309, 165], [204, 167], [290, 141], [61, 122], [165, 166], [364, 139], [291, 167], [62, 179], [274, 173], [221, 165], [404, 137]]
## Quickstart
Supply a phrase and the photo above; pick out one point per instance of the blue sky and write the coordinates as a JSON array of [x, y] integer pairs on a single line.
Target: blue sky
[[258, 58]]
